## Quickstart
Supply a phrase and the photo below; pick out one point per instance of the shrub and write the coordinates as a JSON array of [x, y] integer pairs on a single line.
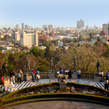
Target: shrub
[[54, 84]]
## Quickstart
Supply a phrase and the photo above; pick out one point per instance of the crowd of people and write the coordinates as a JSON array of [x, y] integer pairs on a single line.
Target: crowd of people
[[68, 72], [61, 75], [35, 77]]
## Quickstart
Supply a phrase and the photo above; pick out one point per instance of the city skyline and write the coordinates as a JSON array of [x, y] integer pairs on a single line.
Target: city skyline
[[63, 13]]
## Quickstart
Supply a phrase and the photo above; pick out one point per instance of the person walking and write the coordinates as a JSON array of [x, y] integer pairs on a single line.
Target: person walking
[[79, 74], [101, 75], [106, 85]]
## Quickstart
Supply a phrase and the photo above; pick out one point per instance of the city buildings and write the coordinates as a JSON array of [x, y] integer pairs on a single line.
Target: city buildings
[[105, 28], [50, 28], [44, 27], [17, 26], [26, 26], [29, 39], [80, 24], [17, 36], [22, 25]]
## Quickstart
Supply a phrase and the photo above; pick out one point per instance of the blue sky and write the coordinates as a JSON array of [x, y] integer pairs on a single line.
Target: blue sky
[[63, 13]]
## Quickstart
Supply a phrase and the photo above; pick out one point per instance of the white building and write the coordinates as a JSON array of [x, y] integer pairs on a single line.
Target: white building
[[80, 24], [29, 39], [17, 36]]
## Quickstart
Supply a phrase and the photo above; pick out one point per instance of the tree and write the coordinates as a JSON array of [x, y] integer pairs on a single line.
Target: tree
[[75, 40], [86, 59], [48, 53], [43, 65], [37, 52], [46, 43]]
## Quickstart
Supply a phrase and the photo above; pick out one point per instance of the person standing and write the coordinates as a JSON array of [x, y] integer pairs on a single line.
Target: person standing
[[21, 75], [61, 71], [107, 75], [2, 82], [79, 74], [106, 85], [13, 77], [70, 74], [37, 72], [101, 75], [33, 75], [18, 77], [60, 75]]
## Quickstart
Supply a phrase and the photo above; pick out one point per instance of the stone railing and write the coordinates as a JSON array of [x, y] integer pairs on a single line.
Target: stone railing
[[52, 74], [87, 75]]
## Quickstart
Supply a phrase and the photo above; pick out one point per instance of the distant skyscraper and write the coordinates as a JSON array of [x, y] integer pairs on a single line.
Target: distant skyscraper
[[108, 27], [50, 28], [17, 26], [26, 26], [30, 27], [87, 27], [105, 28], [80, 24], [22, 25], [44, 27]]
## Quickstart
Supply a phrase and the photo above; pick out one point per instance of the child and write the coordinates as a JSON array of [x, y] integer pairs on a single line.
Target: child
[[37, 77]]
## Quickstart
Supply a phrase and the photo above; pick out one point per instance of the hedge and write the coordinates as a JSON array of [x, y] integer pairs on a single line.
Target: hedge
[[59, 95], [29, 89]]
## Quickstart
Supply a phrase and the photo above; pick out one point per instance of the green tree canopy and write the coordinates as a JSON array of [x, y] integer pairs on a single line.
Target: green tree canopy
[[37, 52]]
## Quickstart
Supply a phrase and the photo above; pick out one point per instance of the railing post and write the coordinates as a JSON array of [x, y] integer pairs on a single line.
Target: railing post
[[96, 77], [74, 74], [51, 74]]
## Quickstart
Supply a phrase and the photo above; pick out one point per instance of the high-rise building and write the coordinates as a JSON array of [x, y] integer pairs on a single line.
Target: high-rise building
[[29, 39], [80, 24], [50, 28], [105, 28], [17, 36], [108, 28], [22, 25], [17, 26], [30, 27], [26, 26], [44, 27]]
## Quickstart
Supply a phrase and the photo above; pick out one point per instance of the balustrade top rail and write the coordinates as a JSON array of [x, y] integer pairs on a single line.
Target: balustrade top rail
[[46, 75]]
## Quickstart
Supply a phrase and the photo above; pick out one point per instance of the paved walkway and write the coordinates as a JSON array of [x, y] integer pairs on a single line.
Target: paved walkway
[[58, 105], [25, 84]]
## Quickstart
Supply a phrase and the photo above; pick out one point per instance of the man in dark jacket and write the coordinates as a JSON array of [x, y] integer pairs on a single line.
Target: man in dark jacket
[[107, 75]]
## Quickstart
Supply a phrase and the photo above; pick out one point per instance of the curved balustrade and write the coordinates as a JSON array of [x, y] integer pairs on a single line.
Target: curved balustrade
[[44, 75]]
